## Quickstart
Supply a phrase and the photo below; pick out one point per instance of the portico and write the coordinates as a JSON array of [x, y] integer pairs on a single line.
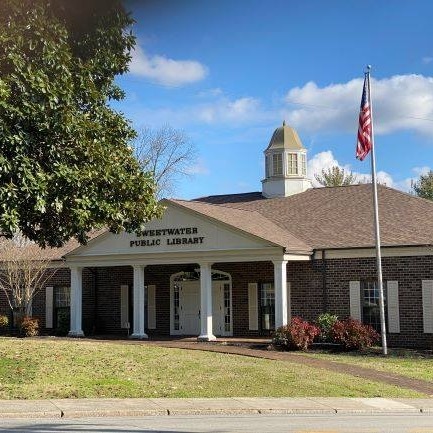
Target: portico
[[201, 303]]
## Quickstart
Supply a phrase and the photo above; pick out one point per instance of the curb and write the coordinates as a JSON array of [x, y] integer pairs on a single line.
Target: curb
[[142, 407]]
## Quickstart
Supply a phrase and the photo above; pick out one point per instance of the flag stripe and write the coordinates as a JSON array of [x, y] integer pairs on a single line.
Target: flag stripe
[[363, 145]]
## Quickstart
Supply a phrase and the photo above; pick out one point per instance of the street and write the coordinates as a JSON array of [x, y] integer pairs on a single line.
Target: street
[[414, 423]]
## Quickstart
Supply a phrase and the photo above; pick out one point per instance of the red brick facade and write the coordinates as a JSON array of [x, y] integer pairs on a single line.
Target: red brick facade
[[315, 288]]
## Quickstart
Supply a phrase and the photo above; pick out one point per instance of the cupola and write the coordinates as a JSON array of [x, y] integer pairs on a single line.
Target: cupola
[[285, 164]]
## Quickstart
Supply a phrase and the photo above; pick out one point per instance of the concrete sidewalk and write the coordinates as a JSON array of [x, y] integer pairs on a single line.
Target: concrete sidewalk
[[79, 408]]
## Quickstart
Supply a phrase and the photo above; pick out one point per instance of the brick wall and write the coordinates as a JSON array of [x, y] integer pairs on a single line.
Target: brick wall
[[101, 292]]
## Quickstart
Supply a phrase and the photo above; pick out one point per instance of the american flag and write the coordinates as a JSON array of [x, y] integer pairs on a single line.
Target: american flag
[[363, 146]]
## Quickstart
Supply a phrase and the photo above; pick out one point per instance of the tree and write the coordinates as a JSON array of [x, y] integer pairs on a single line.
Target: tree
[[166, 152], [336, 176], [65, 163], [24, 271], [423, 187]]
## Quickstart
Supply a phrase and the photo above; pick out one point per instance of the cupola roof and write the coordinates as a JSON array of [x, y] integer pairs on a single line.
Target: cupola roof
[[285, 137]]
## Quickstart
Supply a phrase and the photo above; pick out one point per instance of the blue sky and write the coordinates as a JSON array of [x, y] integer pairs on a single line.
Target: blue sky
[[229, 72]]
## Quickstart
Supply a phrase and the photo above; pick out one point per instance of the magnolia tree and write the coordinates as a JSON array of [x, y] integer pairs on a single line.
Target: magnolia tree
[[24, 271], [66, 164]]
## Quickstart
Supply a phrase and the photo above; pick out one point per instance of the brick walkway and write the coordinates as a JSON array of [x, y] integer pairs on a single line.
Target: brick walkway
[[421, 386]]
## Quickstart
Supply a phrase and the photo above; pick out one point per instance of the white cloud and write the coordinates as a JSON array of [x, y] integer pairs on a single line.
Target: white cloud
[[165, 71], [199, 168], [320, 161], [400, 103], [227, 110], [406, 184], [325, 160], [222, 110], [421, 170], [427, 59], [210, 93]]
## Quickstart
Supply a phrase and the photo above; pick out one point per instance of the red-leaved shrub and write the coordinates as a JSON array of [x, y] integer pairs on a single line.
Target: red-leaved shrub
[[29, 326], [298, 335], [353, 335]]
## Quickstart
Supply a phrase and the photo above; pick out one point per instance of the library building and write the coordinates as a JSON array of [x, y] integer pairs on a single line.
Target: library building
[[242, 265]]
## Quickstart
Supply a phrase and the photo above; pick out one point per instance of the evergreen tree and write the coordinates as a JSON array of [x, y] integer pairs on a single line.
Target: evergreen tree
[[66, 166], [423, 187]]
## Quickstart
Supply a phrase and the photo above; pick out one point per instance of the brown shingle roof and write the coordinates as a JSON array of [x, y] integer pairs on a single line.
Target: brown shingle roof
[[339, 217], [248, 221], [342, 217], [53, 253]]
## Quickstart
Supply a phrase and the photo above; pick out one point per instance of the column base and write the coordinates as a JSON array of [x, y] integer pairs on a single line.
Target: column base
[[138, 336], [206, 337], [76, 334]]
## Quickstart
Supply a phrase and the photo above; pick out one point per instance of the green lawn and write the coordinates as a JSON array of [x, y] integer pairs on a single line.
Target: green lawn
[[58, 368], [408, 363]]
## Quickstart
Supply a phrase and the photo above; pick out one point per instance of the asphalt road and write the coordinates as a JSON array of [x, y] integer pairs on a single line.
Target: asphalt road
[[416, 423]]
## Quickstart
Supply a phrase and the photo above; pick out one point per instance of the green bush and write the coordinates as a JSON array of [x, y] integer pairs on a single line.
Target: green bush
[[325, 322], [28, 326], [63, 323], [297, 335]]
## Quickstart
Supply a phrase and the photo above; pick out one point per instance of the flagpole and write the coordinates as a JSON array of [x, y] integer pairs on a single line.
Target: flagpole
[[376, 225]]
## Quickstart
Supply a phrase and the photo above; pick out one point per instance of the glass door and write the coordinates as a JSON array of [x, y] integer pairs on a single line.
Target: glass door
[[267, 307]]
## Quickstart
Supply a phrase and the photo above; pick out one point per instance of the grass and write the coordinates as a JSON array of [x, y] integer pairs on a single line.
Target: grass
[[410, 363], [60, 368]]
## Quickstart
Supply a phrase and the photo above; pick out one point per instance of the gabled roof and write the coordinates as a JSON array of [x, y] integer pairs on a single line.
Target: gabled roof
[[52, 253], [342, 217], [248, 221], [319, 218]]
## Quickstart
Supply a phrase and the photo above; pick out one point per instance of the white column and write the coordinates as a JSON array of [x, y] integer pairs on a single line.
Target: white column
[[280, 284], [138, 299], [206, 303], [76, 302]]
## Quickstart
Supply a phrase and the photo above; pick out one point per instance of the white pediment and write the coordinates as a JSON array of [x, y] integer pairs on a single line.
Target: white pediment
[[179, 231]]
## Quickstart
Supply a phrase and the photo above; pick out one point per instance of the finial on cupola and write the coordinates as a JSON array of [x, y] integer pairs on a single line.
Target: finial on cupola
[[284, 123]]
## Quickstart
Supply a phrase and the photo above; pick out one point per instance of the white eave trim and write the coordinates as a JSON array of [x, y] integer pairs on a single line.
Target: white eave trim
[[216, 256], [386, 251]]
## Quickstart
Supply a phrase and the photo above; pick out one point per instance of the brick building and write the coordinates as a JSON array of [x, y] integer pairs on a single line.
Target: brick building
[[242, 264]]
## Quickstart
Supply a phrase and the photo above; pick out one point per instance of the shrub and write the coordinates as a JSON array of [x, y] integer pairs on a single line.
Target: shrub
[[29, 326], [298, 335], [4, 321], [353, 335], [325, 322], [63, 323]]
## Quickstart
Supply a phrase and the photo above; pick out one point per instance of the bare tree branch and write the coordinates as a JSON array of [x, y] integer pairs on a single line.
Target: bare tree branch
[[23, 272], [168, 153]]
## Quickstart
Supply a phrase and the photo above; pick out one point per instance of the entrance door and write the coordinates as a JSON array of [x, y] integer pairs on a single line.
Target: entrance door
[[190, 307], [185, 305], [221, 308]]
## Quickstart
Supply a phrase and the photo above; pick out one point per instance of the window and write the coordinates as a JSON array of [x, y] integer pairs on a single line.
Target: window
[[267, 166], [292, 166], [267, 306], [370, 304], [62, 297], [277, 164], [303, 165], [227, 304], [176, 307]]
